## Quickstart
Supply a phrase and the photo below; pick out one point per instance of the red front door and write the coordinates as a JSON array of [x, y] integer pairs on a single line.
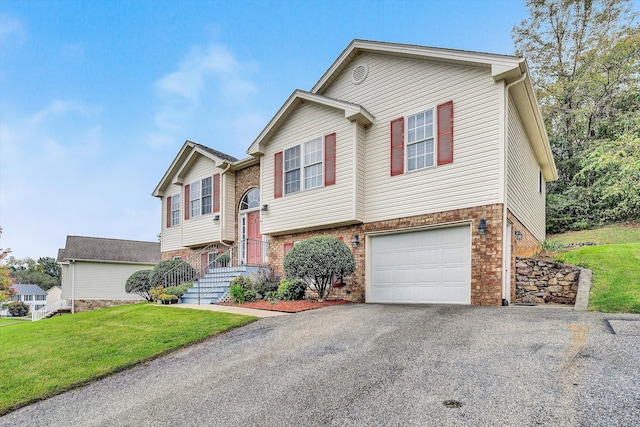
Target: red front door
[[254, 239]]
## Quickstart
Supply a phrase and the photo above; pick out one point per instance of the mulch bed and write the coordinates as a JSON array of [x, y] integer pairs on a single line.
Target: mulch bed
[[288, 306]]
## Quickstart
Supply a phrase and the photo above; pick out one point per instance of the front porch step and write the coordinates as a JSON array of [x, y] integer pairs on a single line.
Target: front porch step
[[214, 284]]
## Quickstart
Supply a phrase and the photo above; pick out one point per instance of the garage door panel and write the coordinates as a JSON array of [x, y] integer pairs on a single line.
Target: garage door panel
[[421, 267]]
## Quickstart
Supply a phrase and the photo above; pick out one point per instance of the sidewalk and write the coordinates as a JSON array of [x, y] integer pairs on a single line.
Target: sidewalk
[[229, 309]]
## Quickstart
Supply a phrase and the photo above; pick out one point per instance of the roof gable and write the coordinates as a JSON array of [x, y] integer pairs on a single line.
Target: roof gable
[[352, 112], [185, 158], [116, 250]]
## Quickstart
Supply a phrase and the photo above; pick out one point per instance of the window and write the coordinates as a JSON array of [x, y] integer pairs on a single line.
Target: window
[[308, 171], [175, 210], [200, 197], [250, 200], [420, 141], [41, 297], [292, 170]]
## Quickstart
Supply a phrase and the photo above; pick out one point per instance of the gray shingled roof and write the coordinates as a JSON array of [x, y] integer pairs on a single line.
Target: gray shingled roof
[[28, 289], [217, 153], [99, 249]]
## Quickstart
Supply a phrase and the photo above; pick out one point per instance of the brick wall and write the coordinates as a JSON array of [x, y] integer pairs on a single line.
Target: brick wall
[[526, 247], [486, 261]]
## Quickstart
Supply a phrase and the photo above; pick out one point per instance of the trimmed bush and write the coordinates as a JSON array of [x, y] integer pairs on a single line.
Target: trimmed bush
[[319, 261], [179, 290], [18, 309], [139, 283], [290, 290], [266, 281], [185, 273], [241, 290]]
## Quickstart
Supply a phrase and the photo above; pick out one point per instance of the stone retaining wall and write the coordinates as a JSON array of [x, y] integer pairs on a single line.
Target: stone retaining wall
[[541, 281], [88, 305]]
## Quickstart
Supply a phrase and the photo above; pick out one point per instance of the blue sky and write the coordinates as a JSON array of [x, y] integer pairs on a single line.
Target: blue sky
[[97, 97]]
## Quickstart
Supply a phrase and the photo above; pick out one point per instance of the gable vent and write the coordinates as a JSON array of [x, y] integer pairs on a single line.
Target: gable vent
[[359, 74]]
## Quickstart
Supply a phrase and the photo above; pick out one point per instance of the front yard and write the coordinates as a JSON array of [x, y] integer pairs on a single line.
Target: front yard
[[47, 357]]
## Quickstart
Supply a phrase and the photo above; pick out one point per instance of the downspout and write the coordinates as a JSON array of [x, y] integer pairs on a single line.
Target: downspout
[[72, 265], [223, 197], [506, 240]]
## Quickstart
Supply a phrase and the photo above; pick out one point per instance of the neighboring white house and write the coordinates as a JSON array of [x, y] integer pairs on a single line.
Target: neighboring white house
[[32, 295], [95, 270], [431, 163]]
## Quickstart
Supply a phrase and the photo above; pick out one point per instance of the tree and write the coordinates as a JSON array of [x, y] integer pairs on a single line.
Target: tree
[[180, 272], [139, 283], [50, 266], [319, 261], [584, 57], [45, 272], [6, 290]]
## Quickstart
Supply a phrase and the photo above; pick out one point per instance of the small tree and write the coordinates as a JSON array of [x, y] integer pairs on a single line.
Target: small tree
[[181, 273], [139, 283], [18, 309], [319, 261]]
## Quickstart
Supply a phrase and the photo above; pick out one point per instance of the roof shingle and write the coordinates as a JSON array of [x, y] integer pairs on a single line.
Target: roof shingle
[[101, 249]]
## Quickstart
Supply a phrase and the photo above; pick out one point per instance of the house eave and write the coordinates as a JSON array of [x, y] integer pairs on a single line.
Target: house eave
[[352, 112]]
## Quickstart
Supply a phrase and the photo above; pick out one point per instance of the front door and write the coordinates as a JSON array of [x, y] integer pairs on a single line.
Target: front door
[[254, 238]]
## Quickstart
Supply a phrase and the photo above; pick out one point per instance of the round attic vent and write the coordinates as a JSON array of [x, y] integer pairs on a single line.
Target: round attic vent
[[359, 74]]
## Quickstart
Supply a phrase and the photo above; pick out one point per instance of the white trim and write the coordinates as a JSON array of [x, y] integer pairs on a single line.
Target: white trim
[[434, 134], [302, 167]]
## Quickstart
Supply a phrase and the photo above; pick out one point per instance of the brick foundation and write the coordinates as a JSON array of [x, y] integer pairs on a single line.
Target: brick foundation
[[486, 258]]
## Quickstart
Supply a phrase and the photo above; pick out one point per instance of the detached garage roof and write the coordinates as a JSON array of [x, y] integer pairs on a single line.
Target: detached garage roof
[[80, 248]]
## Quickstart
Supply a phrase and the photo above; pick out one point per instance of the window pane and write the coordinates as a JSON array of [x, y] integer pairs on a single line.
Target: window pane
[[292, 158], [292, 181], [195, 190], [195, 207], [313, 176], [412, 136], [313, 152], [206, 205]]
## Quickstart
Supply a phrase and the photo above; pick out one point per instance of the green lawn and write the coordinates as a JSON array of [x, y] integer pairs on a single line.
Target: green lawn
[[610, 234], [6, 321], [43, 358], [616, 275]]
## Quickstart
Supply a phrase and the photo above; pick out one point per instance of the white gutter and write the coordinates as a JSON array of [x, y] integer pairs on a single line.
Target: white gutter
[[72, 268], [506, 240]]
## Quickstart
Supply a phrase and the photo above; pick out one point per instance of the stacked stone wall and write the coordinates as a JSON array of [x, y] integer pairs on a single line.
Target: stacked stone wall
[[541, 281], [88, 305]]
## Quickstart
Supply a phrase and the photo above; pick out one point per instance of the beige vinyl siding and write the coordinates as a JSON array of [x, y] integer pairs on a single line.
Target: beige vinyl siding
[[523, 198], [102, 280], [360, 160], [396, 87], [227, 207], [200, 230], [317, 207], [65, 282], [171, 237]]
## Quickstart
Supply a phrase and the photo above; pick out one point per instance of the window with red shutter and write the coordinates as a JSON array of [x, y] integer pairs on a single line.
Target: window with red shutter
[[169, 212], [216, 192], [277, 175], [287, 248], [187, 199], [445, 133], [330, 159], [397, 146]]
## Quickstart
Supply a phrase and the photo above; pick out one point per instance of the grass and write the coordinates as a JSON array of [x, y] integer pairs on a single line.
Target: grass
[[607, 235], [44, 358], [615, 264], [6, 321]]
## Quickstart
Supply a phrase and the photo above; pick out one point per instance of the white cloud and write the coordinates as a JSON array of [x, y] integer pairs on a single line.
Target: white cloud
[[56, 108], [9, 27]]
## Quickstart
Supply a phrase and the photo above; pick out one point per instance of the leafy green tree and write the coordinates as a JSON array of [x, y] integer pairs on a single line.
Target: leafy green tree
[[319, 261], [6, 290], [51, 267], [584, 57], [45, 272]]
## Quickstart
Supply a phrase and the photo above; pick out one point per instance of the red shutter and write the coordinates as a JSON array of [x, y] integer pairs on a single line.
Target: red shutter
[[187, 199], [287, 248], [330, 159], [397, 147], [216, 192], [445, 133], [169, 212], [277, 175], [204, 262]]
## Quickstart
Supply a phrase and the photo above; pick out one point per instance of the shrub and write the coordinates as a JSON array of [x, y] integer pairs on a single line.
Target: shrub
[[184, 273], [272, 297], [139, 283], [155, 293], [237, 293], [292, 289], [265, 281], [242, 290], [168, 298], [18, 309], [319, 261], [179, 290]]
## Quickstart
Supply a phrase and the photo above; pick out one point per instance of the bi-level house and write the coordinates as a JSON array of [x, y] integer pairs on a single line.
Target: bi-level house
[[430, 163]]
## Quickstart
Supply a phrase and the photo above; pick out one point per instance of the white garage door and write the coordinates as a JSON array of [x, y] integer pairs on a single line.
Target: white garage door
[[432, 266]]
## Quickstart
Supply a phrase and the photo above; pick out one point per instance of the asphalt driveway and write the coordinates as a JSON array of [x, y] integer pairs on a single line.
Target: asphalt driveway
[[374, 365]]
